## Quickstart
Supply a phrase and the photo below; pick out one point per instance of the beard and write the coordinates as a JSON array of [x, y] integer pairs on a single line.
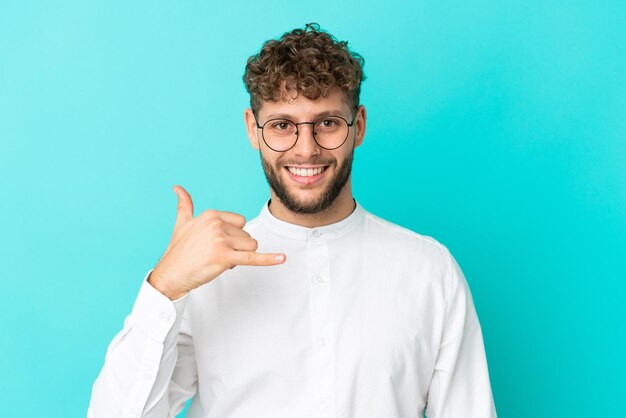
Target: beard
[[327, 197]]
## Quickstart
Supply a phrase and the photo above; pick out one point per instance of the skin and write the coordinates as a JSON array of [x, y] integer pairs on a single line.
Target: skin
[[203, 247], [308, 205]]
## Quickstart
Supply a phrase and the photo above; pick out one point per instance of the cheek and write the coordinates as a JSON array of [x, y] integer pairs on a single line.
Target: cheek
[[341, 159]]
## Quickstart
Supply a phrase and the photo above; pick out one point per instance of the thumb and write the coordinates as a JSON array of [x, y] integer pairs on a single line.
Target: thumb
[[185, 206]]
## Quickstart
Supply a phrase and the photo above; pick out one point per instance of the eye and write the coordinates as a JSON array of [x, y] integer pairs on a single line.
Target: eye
[[280, 125], [328, 123]]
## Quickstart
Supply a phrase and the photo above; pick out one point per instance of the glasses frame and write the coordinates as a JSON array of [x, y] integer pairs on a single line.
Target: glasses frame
[[306, 123]]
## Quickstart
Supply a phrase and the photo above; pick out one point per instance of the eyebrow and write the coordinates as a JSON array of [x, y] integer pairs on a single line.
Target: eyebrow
[[316, 116]]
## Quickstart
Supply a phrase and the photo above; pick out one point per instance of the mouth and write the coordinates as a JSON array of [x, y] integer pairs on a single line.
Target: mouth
[[306, 175]]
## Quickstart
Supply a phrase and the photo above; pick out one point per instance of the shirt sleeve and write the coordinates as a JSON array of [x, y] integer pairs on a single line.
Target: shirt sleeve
[[460, 385], [149, 369]]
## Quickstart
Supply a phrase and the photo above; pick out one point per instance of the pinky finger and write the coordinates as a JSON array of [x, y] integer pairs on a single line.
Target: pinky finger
[[250, 258]]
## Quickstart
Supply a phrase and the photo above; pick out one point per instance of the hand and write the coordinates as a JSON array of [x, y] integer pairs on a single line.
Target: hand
[[204, 247]]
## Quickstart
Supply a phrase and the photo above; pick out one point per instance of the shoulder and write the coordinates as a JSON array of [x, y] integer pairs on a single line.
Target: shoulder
[[407, 243], [391, 231], [413, 257]]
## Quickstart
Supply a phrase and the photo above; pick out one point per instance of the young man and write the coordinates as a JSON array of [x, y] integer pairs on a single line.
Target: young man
[[316, 307]]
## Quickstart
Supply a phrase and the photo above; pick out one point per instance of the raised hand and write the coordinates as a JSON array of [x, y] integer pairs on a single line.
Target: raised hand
[[203, 247]]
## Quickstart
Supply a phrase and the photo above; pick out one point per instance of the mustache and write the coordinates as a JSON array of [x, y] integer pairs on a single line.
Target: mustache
[[314, 162]]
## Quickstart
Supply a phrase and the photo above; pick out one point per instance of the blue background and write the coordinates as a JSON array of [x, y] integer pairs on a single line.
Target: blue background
[[496, 127]]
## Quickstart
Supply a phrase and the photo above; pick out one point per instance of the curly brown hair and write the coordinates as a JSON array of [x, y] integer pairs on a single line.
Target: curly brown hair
[[305, 61]]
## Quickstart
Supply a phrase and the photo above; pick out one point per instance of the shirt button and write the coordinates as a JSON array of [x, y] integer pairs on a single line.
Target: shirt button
[[323, 406], [317, 234], [319, 279], [321, 342], [147, 376]]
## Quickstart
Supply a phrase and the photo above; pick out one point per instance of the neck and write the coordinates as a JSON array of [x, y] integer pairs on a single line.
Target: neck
[[340, 209]]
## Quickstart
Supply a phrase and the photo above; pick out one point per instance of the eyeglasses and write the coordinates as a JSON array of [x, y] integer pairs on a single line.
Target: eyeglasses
[[329, 132]]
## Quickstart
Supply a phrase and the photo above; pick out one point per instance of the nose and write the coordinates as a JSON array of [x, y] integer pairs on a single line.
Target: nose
[[306, 145]]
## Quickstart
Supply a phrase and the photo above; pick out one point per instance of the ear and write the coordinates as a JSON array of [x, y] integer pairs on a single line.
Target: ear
[[360, 122], [251, 128]]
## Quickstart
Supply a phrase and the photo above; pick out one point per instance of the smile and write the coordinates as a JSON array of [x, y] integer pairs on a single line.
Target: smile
[[306, 175]]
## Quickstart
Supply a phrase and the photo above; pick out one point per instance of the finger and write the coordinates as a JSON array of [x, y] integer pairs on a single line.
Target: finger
[[235, 231], [242, 243], [232, 218], [249, 258], [185, 206]]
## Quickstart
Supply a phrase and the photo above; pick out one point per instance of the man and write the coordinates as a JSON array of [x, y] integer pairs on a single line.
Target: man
[[316, 307]]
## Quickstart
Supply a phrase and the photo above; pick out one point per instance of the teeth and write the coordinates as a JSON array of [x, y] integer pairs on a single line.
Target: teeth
[[305, 172]]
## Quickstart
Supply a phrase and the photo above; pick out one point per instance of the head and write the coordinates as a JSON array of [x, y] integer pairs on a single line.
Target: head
[[304, 76]]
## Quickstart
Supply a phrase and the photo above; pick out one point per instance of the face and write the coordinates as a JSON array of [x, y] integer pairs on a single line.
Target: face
[[300, 193]]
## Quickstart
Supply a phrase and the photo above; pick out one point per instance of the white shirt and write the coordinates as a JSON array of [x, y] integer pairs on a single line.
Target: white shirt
[[364, 319]]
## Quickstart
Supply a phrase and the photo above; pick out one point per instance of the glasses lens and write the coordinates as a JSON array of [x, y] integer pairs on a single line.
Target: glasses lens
[[331, 131], [280, 134]]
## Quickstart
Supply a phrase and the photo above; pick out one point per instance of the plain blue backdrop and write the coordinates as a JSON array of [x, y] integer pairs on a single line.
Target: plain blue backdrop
[[496, 127]]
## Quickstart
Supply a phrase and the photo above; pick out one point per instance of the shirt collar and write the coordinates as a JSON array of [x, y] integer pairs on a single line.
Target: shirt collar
[[303, 233]]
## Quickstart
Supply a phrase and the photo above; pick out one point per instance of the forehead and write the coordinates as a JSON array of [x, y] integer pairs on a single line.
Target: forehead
[[299, 106]]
